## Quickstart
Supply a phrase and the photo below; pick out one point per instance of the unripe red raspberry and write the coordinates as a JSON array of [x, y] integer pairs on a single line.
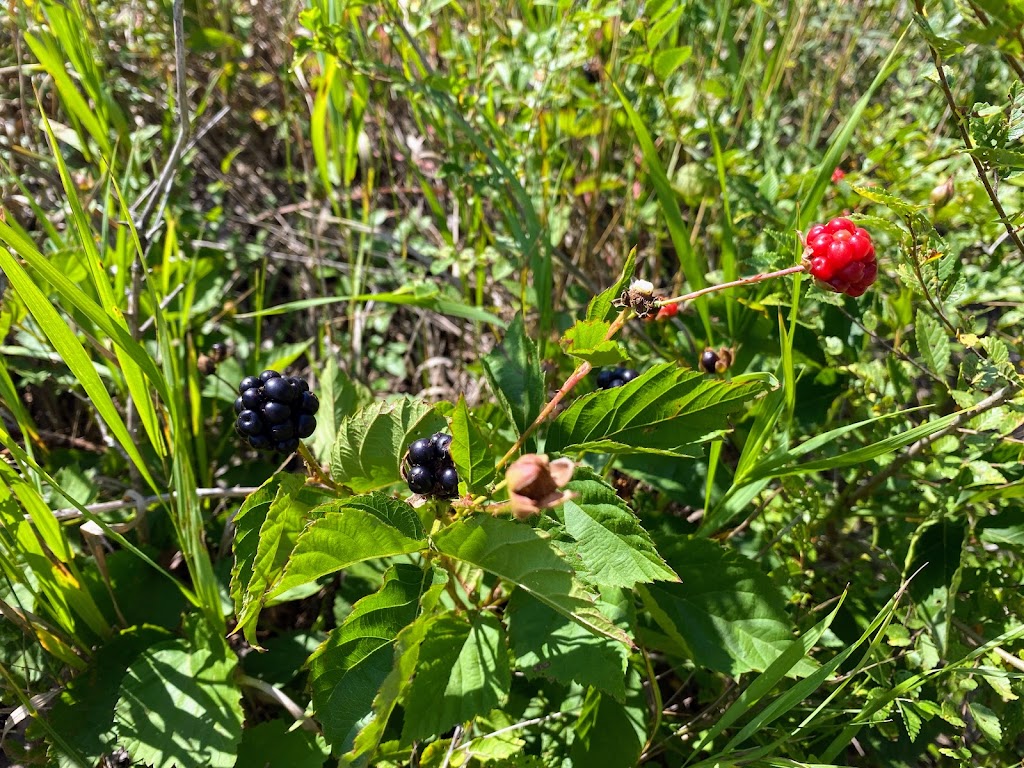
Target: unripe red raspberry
[[667, 311], [841, 257]]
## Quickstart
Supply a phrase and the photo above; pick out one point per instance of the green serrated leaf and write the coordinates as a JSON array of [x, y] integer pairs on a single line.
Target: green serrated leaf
[[614, 547], [285, 518], [586, 340], [932, 342], [547, 644], [371, 442], [178, 704], [349, 532], [987, 722], [727, 614], [347, 671], [463, 672], [407, 654], [470, 450], [519, 554], [601, 306], [340, 397], [248, 521], [83, 714], [664, 410], [513, 371]]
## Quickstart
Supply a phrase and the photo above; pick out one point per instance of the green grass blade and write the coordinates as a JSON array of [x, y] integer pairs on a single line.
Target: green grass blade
[[808, 209], [74, 355]]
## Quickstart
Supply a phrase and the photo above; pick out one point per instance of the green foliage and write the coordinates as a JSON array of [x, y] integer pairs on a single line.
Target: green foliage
[[811, 557]]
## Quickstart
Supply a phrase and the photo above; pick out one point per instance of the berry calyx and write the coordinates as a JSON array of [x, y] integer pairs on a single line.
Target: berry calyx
[[841, 257], [275, 411], [428, 467]]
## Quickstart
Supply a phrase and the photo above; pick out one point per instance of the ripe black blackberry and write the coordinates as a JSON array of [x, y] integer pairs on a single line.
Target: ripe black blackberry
[[275, 411], [615, 377], [428, 467]]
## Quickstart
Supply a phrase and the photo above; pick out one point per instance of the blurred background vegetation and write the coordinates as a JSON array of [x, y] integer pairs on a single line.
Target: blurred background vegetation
[[366, 193]]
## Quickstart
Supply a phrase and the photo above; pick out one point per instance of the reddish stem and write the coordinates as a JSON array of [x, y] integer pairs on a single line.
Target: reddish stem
[[742, 281], [577, 376], [584, 368]]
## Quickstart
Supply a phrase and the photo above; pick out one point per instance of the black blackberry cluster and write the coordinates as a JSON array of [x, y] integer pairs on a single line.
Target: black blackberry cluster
[[275, 411], [615, 377], [428, 467]]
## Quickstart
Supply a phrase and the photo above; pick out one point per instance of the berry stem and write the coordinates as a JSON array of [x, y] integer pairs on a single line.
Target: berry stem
[[314, 466], [577, 376], [742, 281]]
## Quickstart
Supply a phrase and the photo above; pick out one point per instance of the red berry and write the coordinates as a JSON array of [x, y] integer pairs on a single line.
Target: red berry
[[841, 256], [667, 311], [837, 175]]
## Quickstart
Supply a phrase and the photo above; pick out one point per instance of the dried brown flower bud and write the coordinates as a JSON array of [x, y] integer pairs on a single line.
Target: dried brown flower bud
[[943, 193], [534, 483]]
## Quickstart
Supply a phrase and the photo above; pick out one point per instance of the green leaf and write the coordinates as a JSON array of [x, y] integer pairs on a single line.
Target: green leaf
[[987, 722], [1005, 159], [601, 307], [726, 614], [285, 518], [932, 342], [339, 397], [406, 657], [347, 671], [470, 450], [666, 410], [463, 672], [83, 714], [586, 341], [614, 547], [272, 744], [547, 644], [513, 371], [423, 295], [519, 554], [248, 521], [371, 442], [178, 704], [1003, 529], [349, 532], [610, 733], [668, 61]]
